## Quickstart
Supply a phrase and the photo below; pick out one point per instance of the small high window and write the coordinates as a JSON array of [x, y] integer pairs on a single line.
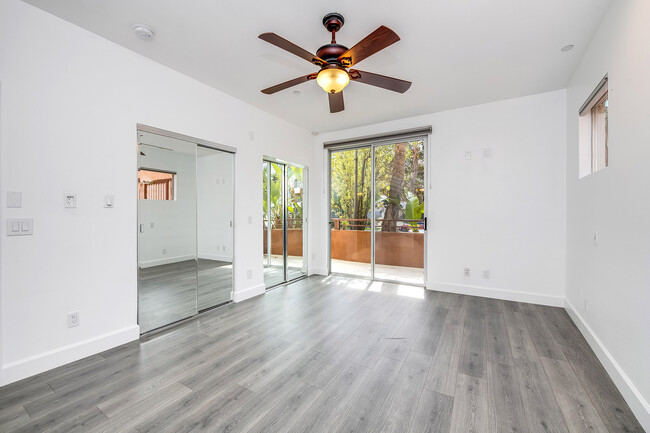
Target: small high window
[[156, 184], [593, 131]]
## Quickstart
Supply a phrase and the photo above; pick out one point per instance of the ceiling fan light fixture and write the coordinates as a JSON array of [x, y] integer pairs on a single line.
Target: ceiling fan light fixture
[[333, 79]]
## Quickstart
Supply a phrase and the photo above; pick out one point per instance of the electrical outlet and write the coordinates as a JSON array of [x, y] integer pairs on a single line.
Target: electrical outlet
[[487, 153], [164, 251], [73, 319], [466, 272], [595, 239], [468, 155], [486, 274], [70, 201], [249, 274]]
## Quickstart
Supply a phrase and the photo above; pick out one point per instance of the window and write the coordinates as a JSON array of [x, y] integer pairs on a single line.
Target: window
[[156, 184], [593, 131]]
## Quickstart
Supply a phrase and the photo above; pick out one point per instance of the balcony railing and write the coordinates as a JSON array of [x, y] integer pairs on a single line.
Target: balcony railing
[[292, 223], [401, 225]]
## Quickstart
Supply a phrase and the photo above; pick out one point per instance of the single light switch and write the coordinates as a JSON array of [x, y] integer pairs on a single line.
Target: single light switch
[[24, 226], [109, 201], [15, 226]]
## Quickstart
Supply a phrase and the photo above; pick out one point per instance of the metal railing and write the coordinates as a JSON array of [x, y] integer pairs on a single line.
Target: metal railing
[[276, 223], [401, 225]]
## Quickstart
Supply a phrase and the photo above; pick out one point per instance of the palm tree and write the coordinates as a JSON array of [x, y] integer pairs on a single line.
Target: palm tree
[[393, 206]]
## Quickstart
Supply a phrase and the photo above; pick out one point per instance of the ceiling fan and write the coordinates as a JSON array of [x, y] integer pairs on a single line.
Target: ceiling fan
[[335, 61]]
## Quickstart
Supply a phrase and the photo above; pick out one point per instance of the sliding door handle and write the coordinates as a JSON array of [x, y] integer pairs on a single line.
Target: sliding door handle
[[425, 224]]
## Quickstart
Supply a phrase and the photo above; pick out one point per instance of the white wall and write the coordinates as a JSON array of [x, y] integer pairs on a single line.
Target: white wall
[[505, 214], [70, 104], [608, 286], [169, 226], [215, 198]]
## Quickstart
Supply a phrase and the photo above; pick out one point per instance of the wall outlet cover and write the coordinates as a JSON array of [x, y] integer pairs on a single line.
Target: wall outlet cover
[[73, 319], [14, 199], [69, 201]]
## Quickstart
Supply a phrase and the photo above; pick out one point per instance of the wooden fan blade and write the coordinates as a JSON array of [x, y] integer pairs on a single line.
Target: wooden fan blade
[[287, 84], [336, 102], [374, 42], [389, 83], [280, 42]]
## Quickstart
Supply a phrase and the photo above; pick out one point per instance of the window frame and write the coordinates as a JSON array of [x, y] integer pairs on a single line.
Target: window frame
[[587, 137]]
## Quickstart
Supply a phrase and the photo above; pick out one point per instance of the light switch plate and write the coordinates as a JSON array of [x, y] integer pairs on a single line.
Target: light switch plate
[[20, 226], [109, 201]]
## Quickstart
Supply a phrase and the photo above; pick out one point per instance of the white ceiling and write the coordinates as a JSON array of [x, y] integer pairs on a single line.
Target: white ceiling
[[456, 52]]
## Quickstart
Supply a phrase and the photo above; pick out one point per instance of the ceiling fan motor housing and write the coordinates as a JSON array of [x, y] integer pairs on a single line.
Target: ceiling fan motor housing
[[331, 52]]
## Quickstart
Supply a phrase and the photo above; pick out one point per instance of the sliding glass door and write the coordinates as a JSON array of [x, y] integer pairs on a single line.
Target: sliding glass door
[[350, 209], [377, 212], [284, 205]]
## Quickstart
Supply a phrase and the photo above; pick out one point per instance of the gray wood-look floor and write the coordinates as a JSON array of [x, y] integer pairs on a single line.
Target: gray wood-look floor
[[169, 293], [336, 355]]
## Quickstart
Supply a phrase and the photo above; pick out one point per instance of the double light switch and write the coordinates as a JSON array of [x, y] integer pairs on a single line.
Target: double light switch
[[20, 226]]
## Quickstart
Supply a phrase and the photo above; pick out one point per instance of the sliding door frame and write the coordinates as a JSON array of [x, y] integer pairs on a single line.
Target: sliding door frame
[[372, 143], [305, 170]]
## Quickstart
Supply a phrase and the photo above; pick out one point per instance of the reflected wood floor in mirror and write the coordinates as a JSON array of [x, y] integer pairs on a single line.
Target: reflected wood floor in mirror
[[331, 354], [167, 293]]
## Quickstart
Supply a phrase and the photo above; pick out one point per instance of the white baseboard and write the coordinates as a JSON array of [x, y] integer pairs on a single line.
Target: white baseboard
[[32, 365], [630, 393], [318, 271], [166, 261], [215, 257], [494, 293], [242, 295]]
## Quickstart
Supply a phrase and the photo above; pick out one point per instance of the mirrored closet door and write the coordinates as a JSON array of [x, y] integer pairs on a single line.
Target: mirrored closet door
[[185, 227]]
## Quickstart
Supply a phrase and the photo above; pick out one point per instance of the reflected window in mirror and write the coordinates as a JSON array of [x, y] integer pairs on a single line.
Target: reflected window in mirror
[[156, 185]]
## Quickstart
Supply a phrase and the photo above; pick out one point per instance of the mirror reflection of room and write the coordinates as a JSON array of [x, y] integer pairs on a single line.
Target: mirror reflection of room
[[215, 226], [185, 238]]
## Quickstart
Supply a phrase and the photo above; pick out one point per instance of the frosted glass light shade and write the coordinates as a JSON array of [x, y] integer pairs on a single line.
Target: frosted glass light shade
[[333, 80]]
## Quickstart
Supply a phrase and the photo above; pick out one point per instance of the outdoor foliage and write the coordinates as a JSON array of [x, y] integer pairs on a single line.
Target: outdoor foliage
[[399, 186], [294, 195]]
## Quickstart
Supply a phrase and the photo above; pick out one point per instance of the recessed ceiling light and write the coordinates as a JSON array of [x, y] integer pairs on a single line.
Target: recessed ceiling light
[[314, 133], [296, 92], [143, 32], [566, 48]]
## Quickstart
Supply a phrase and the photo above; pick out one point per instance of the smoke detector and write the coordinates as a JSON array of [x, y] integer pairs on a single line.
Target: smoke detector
[[143, 32]]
